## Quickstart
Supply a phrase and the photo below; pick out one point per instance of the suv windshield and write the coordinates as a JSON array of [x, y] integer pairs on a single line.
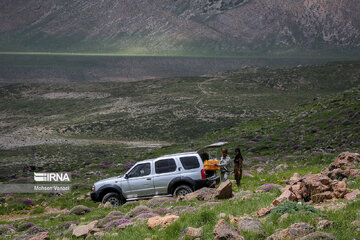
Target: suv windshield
[[140, 170]]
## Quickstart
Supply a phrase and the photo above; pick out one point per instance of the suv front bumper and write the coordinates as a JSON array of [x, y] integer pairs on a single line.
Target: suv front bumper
[[95, 196]]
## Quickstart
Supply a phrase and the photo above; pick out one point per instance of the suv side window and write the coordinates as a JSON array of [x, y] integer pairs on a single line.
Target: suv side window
[[140, 170], [165, 166], [190, 162]]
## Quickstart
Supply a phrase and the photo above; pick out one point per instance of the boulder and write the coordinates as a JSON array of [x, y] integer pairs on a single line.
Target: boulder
[[352, 195], [323, 224], [316, 183], [336, 173], [264, 211], [294, 179], [224, 231], [124, 226], [249, 224], [83, 230], [203, 194], [164, 222], [345, 160], [224, 191], [298, 189], [80, 231], [339, 188], [234, 219], [191, 233], [285, 196], [137, 211], [79, 210], [40, 236], [318, 236], [354, 173], [321, 197], [295, 231], [99, 235]]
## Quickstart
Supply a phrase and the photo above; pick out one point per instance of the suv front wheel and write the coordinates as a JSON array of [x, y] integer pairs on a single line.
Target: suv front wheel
[[114, 198], [182, 190]]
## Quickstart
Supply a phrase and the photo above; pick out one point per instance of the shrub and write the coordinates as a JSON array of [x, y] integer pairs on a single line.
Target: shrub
[[292, 207]]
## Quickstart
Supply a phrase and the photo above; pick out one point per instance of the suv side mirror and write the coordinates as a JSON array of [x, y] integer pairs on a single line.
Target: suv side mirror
[[126, 176]]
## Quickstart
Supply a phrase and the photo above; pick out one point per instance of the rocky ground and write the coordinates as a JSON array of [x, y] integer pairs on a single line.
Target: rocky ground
[[309, 207]]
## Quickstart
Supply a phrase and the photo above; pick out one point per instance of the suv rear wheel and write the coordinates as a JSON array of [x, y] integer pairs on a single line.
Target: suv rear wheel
[[114, 198], [182, 190]]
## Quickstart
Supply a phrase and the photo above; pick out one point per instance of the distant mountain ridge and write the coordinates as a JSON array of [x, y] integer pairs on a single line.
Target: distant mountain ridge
[[228, 27]]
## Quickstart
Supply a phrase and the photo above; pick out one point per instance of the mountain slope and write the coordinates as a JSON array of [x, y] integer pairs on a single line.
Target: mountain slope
[[178, 27]]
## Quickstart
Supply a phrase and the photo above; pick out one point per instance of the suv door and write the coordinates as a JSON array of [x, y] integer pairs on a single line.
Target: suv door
[[192, 166], [165, 171], [139, 181]]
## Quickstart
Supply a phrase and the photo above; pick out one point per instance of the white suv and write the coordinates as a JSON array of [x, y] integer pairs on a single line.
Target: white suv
[[175, 174]]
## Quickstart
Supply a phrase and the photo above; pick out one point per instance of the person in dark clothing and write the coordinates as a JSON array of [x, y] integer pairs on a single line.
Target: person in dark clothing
[[238, 162]]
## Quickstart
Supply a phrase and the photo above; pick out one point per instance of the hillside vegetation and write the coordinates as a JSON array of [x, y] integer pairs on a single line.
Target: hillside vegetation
[[303, 139], [94, 120], [188, 27]]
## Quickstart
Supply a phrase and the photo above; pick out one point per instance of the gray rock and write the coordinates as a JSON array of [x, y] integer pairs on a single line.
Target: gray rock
[[249, 224], [224, 231], [191, 233], [203, 194], [137, 211], [224, 191], [318, 236], [296, 230], [79, 210], [83, 230]]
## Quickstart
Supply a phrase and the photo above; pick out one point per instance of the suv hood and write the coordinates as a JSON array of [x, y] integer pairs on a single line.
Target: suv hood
[[112, 179]]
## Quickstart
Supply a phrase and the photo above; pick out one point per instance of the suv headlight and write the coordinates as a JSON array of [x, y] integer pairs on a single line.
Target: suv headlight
[[93, 188]]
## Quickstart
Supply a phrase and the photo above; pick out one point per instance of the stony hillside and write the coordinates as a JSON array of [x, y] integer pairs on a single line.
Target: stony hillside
[[264, 207], [199, 27]]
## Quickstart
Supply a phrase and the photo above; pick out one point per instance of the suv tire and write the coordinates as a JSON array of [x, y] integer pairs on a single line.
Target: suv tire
[[114, 198], [182, 190]]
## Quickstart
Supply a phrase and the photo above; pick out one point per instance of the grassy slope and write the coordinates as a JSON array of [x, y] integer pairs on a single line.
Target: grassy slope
[[145, 111], [259, 151]]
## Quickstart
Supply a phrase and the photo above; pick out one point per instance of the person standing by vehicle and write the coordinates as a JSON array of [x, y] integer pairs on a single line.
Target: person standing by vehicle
[[225, 165], [238, 162]]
